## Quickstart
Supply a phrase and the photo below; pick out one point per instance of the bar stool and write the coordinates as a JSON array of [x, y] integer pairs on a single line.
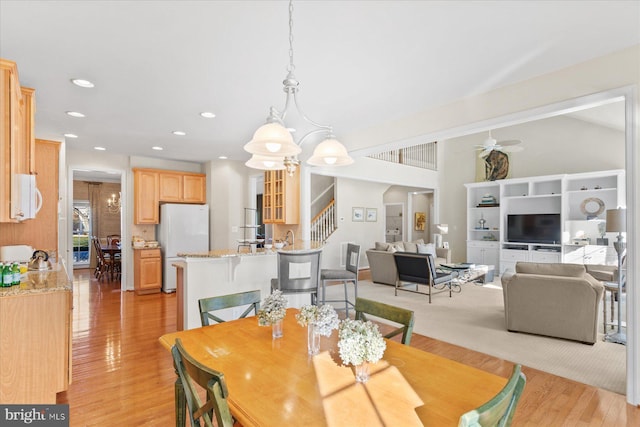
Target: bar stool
[[349, 274]]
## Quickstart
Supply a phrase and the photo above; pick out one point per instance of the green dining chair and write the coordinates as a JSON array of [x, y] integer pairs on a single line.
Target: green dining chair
[[385, 311], [207, 305], [500, 409], [189, 371]]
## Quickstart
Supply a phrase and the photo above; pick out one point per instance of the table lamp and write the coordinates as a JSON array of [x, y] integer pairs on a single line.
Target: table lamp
[[442, 230], [616, 222]]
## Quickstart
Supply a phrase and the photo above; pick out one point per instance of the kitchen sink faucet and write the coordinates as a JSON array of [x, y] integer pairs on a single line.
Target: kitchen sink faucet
[[286, 237]]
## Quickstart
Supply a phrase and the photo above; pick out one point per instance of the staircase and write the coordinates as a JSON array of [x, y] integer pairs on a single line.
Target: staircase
[[324, 224]]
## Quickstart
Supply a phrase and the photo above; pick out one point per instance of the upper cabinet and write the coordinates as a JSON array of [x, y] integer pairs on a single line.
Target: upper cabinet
[[145, 192], [155, 186], [17, 139], [281, 199], [182, 187]]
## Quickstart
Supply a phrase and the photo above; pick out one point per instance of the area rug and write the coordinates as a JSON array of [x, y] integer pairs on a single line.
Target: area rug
[[474, 319]]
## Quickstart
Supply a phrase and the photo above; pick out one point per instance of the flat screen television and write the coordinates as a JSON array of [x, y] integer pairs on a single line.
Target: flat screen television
[[534, 228]]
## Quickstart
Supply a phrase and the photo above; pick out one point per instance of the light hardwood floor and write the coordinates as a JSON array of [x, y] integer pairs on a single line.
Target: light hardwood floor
[[122, 376]]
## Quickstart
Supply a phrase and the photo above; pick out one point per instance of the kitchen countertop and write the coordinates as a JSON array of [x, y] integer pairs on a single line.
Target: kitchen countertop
[[225, 253], [54, 280]]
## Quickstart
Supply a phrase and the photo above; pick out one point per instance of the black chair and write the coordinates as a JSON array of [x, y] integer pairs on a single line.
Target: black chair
[[419, 269], [207, 305], [298, 272], [349, 274], [190, 371]]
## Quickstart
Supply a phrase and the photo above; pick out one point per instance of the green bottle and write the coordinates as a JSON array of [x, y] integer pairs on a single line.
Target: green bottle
[[15, 269], [7, 275]]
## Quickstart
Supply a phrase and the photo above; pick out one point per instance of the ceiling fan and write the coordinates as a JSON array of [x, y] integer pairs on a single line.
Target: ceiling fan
[[490, 144]]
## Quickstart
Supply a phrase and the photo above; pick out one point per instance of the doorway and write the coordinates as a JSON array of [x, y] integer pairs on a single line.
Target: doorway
[[96, 202], [393, 222]]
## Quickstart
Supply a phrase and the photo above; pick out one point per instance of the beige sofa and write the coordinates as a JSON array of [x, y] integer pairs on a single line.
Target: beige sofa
[[383, 266], [556, 300]]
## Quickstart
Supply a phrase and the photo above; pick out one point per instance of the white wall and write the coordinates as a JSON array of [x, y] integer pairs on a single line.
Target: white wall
[[228, 190], [355, 193], [556, 145]]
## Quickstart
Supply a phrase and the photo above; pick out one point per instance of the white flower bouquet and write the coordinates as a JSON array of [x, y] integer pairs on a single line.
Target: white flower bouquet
[[324, 318], [360, 342], [273, 308]]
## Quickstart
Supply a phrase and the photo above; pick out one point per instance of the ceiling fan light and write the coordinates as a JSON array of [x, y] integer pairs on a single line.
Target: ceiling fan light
[[270, 139], [258, 161], [330, 152]]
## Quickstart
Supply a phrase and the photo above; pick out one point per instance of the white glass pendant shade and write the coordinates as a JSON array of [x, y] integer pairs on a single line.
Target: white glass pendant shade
[[267, 163], [272, 139], [330, 152]]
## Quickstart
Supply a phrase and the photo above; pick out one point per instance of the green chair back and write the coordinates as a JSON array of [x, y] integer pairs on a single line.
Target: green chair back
[[499, 410], [190, 372], [389, 312], [207, 305]]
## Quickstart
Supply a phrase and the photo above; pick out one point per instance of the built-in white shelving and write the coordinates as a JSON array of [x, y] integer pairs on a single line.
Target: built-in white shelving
[[580, 199]]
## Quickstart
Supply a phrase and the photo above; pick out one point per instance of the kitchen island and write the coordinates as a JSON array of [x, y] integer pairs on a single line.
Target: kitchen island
[[223, 272], [35, 326]]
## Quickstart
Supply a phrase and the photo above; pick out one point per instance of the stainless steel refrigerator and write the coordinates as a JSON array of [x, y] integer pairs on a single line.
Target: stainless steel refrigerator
[[182, 229]]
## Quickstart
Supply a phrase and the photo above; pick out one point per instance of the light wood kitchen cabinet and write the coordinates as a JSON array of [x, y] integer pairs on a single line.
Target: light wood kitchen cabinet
[[147, 271], [145, 193], [35, 348], [194, 188], [181, 187], [155, 186], [281, 198], [17, 140]]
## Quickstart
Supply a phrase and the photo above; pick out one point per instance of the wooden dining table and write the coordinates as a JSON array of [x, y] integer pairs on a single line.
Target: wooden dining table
[[274, 382], [112, 249]]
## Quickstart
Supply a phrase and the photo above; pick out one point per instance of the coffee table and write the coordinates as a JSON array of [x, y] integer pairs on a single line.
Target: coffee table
[[468, 272]]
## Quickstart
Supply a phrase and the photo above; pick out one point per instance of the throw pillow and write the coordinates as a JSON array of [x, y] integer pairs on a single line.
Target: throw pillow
[[381, 246], [421, 241], [428, 248], [410, 247], [397, 246]]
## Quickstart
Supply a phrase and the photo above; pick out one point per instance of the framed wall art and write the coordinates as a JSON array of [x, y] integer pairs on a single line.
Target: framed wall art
[[372, 215], [421, 220], [357, 214]]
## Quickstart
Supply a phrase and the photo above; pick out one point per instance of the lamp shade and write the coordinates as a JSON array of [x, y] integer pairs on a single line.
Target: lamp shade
[[258, 161], [272, 139], [616, 220], [330, 152], [443, 228]]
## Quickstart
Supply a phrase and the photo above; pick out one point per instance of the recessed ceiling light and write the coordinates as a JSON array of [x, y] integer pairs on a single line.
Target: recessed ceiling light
[[207, 115], [223, 157], [99, 148], [157, 148], [82, 83], [292, 130], [75, 114], [179, 133], [70, 135]]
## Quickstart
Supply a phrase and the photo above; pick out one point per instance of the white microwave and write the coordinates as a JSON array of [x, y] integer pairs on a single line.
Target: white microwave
[[26, 199]]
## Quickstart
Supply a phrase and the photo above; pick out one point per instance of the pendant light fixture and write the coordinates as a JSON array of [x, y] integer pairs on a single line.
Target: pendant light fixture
[[273, 146]]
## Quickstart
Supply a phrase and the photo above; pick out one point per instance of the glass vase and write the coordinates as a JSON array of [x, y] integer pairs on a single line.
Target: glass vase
[[362, 372], [313, 339], [276, 329]]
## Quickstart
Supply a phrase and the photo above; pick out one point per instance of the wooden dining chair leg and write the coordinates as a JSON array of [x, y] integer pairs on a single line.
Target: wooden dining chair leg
[[181, 403]]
